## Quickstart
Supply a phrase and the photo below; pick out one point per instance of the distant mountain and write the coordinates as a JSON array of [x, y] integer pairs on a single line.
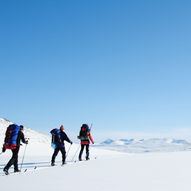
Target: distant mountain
[[152, 141], [107, 142], [146, 145]]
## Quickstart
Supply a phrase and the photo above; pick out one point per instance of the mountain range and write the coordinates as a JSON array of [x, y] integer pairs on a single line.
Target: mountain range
[[146, 145]]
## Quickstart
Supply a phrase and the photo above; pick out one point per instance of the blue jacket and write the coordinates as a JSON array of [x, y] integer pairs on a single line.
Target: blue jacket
[[60, 137]]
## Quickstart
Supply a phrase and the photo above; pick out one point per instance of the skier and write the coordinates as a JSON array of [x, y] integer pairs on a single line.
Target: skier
[[85, 138], [58, 138], [15, 150]]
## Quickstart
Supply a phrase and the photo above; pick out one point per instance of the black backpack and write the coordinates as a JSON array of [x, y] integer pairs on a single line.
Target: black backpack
[[83, 135]]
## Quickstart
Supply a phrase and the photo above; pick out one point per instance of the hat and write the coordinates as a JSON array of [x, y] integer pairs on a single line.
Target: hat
[[21, 126], [62, 127]]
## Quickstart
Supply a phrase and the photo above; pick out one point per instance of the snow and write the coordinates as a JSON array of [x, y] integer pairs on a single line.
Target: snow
[[107, 170], [135, 172]]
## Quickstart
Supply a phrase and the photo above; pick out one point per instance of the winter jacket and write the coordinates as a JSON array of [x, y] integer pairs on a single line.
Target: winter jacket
[[86, 140], [59, 142], [21, 138]]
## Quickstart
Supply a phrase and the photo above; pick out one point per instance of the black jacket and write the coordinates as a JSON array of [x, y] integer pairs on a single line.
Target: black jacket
[[21, 138], [63, 137]]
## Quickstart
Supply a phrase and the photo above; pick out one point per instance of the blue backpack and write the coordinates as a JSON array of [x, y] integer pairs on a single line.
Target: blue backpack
[[56, 137], [11, 136]]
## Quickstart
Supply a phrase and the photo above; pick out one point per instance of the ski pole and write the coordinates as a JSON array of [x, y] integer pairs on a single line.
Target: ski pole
[[91, 126], [68, 150], [75, 153], [23, 157]]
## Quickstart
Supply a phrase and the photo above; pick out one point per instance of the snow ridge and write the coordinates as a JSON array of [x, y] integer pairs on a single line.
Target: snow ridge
[[38, 142]]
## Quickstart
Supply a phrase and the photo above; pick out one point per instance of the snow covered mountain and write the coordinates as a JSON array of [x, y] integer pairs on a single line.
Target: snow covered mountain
[[162, 141], [29, 133], [38, 142], [146, 145]]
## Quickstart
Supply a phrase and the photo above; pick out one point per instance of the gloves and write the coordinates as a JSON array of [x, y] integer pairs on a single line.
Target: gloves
[[71, 142]]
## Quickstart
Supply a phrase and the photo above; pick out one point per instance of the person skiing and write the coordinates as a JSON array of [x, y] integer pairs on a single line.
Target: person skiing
[[15, 150], [85, 138], [58, 138]]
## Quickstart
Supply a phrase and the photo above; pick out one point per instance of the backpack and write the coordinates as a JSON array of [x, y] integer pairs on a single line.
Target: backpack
[[56, 137], [83, 135], [11, 136]]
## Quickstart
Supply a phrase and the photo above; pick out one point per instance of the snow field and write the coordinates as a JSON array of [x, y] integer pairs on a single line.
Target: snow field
[[109, 172]]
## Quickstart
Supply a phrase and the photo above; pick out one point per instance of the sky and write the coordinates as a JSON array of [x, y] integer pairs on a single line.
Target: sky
[[123, 66]]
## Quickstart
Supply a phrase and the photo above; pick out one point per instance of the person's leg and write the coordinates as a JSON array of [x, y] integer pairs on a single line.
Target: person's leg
[[16, 169], [63, 155], [13, 159], [56, 150], [87, 152], [81, 151]]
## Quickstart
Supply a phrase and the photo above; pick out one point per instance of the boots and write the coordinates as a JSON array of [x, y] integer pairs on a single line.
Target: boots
[[6, 171], [17, 170]]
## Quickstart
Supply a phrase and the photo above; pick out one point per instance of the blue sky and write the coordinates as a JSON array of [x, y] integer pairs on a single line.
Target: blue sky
[[122, 65]]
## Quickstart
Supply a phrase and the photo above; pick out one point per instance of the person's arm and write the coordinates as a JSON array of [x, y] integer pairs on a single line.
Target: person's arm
[[22, 137], [91, 138], [66, 138]]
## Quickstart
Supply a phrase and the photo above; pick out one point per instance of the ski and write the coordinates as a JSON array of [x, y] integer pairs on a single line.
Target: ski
[[14, 173], [21, 172], [84, 160]]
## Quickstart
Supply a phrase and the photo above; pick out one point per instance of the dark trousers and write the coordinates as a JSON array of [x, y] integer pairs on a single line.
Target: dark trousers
[[13, 160], [56, 150], [81, 152]]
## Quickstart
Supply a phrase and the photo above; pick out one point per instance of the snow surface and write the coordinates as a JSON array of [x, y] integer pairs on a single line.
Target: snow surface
[[110, 171]]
